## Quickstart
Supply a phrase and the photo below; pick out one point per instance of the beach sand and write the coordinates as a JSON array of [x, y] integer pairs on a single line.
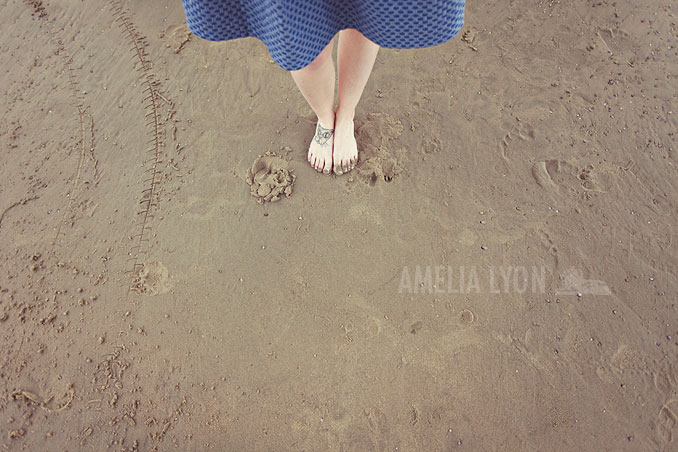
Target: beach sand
[[149, 302]]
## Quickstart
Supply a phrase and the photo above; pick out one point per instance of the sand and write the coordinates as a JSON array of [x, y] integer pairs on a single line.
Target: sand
[[497, 273]]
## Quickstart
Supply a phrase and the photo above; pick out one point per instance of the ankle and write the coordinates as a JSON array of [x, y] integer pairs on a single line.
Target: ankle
[[344, 114], [326, 121]]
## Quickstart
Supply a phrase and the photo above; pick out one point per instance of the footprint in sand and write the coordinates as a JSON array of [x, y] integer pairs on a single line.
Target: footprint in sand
[[469, 37], [556, 174], [175, 37], [667, 421], [152, 279], [379, 160], [591, 180], [544, 240], [666, 382], [389, 169], [270, 178], [522, 131], [431, 145], [614, 40], [542, 176]]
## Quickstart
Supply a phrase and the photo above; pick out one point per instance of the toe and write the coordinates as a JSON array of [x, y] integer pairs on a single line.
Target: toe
[[354, 163]]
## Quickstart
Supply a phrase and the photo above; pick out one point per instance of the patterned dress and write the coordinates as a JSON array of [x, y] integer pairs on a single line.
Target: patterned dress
[[296, 31]]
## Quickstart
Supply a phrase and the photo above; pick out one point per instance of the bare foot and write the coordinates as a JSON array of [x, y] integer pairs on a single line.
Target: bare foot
[[320, 149], [345, 154]]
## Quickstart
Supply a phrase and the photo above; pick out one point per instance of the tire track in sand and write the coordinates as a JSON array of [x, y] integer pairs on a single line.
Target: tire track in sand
[[85, 119], [155, 123]]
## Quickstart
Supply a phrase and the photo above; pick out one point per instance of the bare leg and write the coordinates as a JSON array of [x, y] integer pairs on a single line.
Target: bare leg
[[316, 83], [355, 59]]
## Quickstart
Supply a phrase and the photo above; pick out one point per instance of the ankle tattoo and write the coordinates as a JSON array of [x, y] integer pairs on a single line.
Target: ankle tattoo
[[322, 135]]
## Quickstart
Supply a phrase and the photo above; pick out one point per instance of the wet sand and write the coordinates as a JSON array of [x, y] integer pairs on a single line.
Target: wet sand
[[498, 272]]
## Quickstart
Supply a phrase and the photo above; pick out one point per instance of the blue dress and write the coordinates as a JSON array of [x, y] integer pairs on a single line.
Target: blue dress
[[296, 31]]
